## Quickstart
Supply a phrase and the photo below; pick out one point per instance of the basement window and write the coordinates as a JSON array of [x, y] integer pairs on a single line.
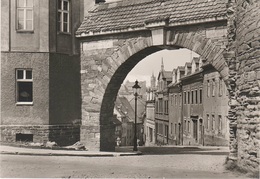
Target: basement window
[[24, 137]]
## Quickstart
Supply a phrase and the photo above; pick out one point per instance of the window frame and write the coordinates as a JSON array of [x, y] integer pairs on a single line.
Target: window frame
[[60, 23], [220, 123], [213, 122], [25, 9], [192, 97], [201, 97], [208, 121], [196, 97], [208, 88], [184, 97], [213, 87], [188, 95], [220, 87], [23, 80]]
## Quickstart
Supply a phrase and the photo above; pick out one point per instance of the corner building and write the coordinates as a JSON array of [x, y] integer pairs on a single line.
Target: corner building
[[40, 65]]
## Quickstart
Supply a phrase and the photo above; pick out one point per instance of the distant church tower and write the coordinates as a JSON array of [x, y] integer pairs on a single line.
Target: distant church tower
[[153, 81], [162, 66]]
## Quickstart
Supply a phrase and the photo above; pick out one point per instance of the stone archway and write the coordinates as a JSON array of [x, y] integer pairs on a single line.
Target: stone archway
[[112, 33], [104, 69]]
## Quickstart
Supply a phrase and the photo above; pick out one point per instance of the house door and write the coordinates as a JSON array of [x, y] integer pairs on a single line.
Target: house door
[[179, 141], [167, 133], [195, 130], [201, 132]]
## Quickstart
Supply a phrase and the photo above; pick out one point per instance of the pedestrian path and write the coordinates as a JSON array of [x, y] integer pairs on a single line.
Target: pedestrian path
[[13, 150]]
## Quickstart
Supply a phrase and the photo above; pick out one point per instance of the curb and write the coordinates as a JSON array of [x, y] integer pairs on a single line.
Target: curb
[[72, 155]]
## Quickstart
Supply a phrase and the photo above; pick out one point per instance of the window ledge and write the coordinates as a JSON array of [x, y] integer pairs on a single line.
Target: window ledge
[[25, 31], [24, 103], [64, 33]]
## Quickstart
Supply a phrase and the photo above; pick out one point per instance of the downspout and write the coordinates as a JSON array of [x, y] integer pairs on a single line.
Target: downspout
[[181, 114]]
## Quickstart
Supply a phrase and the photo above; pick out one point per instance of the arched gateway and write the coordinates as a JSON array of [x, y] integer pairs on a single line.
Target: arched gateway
[[116, 36]]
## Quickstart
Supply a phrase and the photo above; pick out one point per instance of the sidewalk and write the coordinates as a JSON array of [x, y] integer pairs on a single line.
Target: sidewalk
[[12, 150]]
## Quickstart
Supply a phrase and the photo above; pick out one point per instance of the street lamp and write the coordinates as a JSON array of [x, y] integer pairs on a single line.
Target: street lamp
[[136, 89]]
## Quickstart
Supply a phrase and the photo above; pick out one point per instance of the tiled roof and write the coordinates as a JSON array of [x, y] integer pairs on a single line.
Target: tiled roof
[[134, 14], [167, 74]]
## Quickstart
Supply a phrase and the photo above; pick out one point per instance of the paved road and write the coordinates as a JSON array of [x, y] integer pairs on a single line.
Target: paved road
[[144, 166]]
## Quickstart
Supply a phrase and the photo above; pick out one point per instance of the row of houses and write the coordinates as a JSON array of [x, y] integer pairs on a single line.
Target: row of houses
[[124, 114], [188, 106]]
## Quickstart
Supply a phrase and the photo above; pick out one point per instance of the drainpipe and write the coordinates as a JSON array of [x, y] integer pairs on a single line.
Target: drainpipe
[[181, 114]]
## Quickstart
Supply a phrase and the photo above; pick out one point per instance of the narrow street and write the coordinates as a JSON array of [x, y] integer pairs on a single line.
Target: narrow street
[[193, 164]]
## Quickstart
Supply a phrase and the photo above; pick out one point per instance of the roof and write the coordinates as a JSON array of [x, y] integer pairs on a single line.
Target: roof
[[193, 75], [188, 64], [165, 74], [181, 68], [196, 59], [124, 107], [130, 15]]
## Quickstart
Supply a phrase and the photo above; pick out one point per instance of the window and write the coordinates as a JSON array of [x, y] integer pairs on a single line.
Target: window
[[185, 124], [208, 88], [166, 130], [219, 122], [157, 107], [63, 15], [171, 128], [24, 85], [208, 121], [213, 87], [196, 97], [220, 87], [188, 97], [180, 100], [188, 126], [213, 122], [175, 128], [166, 107], [151, 134], [200, 96], [176, 99], [192, 97], [160, 106], [24, 15], [184, 98]]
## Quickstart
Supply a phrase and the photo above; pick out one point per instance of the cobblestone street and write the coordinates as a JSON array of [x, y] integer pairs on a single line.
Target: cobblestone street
[[189, 165]]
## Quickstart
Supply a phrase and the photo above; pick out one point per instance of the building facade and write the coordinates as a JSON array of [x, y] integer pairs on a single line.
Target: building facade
[[192, 108], [175, 111], [215, 104], [149, 122], [40, 66], [161, 107]]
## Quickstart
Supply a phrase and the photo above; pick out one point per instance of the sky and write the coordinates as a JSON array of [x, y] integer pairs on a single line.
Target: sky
[[152, 64]]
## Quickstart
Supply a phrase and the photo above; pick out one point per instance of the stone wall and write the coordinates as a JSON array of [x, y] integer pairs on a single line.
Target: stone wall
[[244, 58], [248, 83], [61, 134]]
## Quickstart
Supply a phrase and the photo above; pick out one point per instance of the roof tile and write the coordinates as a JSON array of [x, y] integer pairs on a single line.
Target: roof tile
[[134, 13]]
